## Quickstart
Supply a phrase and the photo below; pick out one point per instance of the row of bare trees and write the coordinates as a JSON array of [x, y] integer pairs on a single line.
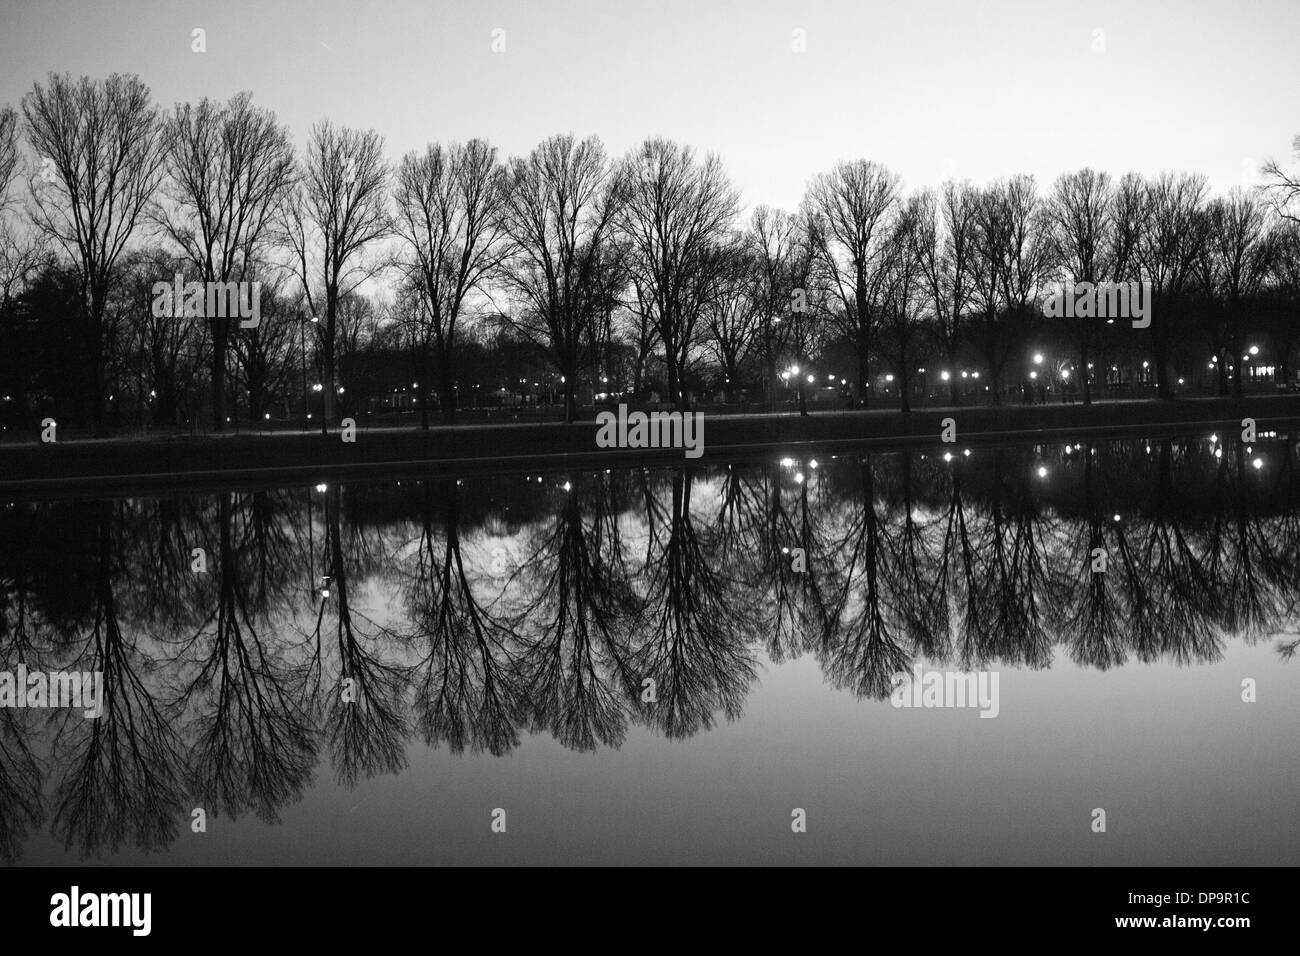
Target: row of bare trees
[[574, 249]]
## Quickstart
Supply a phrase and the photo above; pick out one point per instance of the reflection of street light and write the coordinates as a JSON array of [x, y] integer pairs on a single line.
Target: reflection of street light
[[1033, 375]]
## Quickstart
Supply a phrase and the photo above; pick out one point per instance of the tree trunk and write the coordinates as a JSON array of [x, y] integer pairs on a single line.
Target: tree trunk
[[769, 387], [327, 373], [96, 340], [1163, 388], [675, 394], [220, 341], [1237, 349], [864, 379], [570, 400], [1084, 353], [447, 399], [424, 374], [954, 394]]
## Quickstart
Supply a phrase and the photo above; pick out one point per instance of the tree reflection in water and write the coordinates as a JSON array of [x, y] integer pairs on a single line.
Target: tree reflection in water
[[340, 620]]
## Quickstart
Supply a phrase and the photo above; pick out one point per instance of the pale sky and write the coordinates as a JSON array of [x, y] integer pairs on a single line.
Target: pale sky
[[932, 89]]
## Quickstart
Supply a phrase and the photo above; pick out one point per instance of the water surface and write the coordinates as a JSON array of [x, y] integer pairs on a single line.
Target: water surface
[[497, 634]]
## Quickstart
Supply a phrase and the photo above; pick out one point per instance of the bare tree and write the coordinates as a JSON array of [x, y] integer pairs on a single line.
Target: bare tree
[[946, 265], [264, 353], [449, 205], [1079, 212], [851, 205], [811, 301], [1283, 328], [676, 211], [1012, 254], [560, 214], [1167, 253], [904, 295], [21, 254], [733, 316], [338, 208], [1241, 248], [1284, 188], [638, 325], [231, 165], [771, 241], [8, 151], [100, 161]]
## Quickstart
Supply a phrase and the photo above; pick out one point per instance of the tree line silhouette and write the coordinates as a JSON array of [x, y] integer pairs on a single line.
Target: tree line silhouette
[[581, 604], [457, 277]]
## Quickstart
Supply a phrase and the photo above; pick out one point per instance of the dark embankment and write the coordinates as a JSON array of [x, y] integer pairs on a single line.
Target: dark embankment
[[101, 464]]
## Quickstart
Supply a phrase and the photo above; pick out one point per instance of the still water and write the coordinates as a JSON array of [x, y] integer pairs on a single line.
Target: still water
[[661, 664]]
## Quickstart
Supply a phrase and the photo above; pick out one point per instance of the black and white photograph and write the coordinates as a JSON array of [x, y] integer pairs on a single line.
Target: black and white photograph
[[697, 434]]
